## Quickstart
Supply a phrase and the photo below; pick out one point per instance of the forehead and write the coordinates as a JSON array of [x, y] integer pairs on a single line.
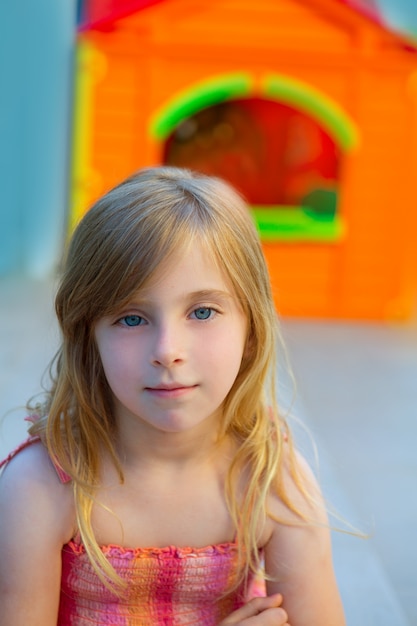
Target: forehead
[[192, 267]]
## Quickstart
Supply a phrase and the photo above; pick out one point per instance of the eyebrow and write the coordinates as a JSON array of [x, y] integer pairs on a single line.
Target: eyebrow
[[208, 294], [201, 294]]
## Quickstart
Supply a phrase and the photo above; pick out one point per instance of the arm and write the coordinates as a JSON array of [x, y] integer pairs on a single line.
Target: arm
[[300, 558], [259, 612], [36, 519]]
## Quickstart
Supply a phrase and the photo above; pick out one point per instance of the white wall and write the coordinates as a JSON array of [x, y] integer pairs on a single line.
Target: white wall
[[36, 48]]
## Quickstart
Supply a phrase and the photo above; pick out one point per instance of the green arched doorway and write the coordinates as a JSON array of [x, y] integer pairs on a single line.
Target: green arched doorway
[[281, 144]]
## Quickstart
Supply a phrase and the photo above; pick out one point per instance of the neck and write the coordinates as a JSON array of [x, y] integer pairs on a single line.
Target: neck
[[139, 445]]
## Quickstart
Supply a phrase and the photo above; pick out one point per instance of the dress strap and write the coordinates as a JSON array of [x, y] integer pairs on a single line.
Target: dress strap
[[63, 476], [29, 441]]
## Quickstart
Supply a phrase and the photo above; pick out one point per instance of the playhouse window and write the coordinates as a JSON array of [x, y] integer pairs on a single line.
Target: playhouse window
[[282, 160]]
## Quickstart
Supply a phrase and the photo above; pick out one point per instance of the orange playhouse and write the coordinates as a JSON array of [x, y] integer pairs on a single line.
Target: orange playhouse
[[308, 107]]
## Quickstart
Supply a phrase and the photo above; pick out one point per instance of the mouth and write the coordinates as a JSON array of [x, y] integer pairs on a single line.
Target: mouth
[[171, 390]]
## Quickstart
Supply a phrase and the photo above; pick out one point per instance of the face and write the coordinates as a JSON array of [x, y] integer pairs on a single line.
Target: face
[[172, 355]]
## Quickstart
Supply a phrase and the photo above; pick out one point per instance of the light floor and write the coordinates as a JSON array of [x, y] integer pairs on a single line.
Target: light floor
[[356, 392]]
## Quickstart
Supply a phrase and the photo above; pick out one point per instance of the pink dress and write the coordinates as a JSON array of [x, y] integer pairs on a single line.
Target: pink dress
[[165, 586]]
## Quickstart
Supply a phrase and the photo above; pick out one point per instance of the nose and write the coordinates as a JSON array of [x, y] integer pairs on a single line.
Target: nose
[[168, 347]]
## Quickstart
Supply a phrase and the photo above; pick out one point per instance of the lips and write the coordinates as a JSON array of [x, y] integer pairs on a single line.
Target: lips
[[168, 387], [171, 390]]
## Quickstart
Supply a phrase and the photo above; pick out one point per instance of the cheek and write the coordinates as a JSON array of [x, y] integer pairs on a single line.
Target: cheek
[[116, 369], [118, 381], [122, 365], [228, 350], [110, 362]]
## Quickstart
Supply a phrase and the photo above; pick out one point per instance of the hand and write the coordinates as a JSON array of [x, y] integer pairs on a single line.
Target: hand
[[259, 612]]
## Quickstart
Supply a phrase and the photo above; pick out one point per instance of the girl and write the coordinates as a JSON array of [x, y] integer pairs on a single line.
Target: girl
[[159, 475]]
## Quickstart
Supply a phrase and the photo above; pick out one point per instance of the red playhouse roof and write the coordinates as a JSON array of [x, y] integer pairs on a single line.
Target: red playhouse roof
[[101, 14]]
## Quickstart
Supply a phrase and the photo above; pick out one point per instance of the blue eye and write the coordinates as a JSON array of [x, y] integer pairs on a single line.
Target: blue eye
[[132, 320], [203, 313]]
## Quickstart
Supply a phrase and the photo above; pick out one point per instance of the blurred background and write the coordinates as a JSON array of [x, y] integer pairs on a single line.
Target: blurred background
[[309, 107]]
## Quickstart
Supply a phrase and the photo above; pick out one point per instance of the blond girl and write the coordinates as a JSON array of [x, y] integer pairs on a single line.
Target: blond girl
[[159, 479]]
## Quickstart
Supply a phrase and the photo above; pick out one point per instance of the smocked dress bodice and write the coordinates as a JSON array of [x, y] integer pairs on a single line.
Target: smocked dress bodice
[[165, 586]]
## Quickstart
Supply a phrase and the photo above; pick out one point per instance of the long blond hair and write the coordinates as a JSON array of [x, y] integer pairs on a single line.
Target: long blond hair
[[114, 251]]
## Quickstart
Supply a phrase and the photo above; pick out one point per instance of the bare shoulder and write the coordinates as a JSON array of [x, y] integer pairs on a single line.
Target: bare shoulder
[[298, 553], [302, 490], [30, 475], [36, 520], [30, 491]]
